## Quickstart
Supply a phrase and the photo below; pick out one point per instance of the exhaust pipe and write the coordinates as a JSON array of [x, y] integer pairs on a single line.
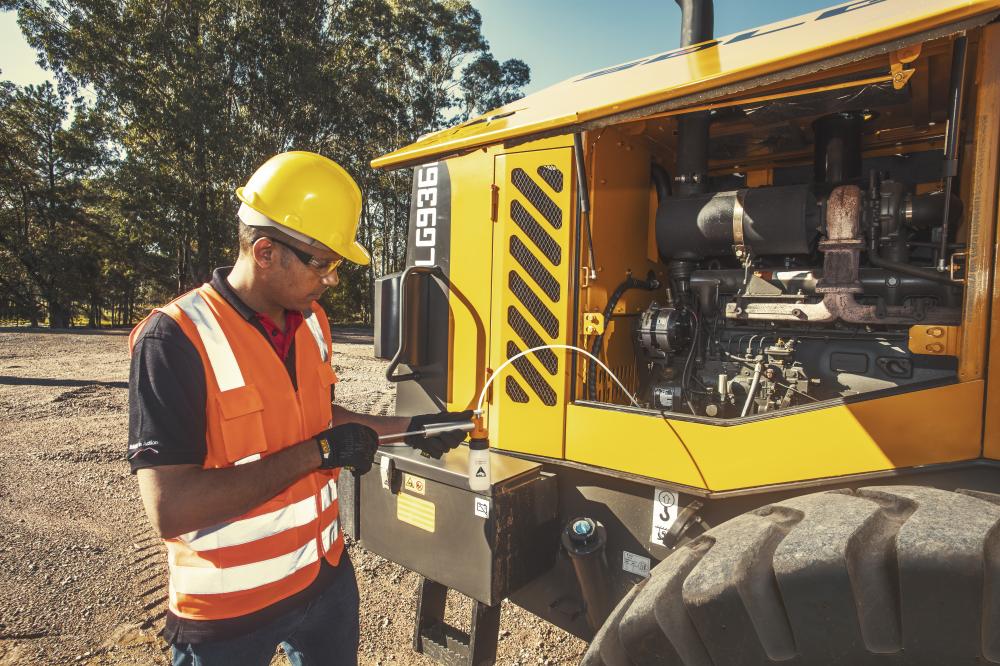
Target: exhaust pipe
[[697, 25]]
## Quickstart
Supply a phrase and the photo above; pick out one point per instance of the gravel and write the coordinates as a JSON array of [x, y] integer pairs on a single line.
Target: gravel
[[82, 575]]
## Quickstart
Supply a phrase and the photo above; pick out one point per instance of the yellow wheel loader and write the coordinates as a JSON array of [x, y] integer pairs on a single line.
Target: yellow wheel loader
[[728, 314]]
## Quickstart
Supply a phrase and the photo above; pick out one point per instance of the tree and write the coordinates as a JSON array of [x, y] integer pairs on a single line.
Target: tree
[[48, 165], [197, 94]]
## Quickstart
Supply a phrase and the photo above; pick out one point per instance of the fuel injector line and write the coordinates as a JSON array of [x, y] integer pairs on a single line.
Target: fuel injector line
[[649, 284]]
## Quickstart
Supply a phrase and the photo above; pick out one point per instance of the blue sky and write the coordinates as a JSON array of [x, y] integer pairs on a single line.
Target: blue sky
[[557, 38]]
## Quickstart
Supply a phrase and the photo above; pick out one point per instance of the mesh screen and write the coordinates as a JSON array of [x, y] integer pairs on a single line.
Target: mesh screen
[[533, 267], [533, 230], [532, 376], [536, 197], [514, 390], [532, 339], [552, 176], [534, 305]]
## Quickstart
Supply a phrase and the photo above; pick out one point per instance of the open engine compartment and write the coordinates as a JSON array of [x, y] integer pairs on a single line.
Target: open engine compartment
[[780, 253]]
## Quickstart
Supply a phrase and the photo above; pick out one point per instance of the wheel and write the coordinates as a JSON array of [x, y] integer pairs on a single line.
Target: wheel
[[879, 575]]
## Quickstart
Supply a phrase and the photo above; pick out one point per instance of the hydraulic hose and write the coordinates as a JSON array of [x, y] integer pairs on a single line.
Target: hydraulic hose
[[649, 284], [661, 180]]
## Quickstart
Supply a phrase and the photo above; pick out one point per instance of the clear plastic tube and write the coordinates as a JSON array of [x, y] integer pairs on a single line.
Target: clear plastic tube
[[482, 395]]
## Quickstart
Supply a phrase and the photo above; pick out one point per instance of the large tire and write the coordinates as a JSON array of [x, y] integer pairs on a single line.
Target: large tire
[[880, 575]]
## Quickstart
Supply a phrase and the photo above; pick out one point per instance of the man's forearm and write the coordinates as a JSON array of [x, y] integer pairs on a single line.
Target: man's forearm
[[183, 498], [383, 425]]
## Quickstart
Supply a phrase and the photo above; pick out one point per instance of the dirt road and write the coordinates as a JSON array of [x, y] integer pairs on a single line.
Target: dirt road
[[83, 578]]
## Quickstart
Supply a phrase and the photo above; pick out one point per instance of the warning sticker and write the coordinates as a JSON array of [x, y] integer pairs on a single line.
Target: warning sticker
[[414, 484], [482, 507], [664, 514], [480, 473], [636, 564], [415, 511]]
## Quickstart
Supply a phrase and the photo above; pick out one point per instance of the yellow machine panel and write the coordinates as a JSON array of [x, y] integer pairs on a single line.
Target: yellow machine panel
[[702, 67], [918, 428], [532, 262], [469, 293]]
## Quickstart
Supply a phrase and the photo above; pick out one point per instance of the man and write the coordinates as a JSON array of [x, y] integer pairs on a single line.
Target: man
[[235, 441]]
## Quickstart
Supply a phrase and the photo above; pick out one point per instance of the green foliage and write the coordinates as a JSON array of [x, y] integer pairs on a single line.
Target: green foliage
[[186, 99]]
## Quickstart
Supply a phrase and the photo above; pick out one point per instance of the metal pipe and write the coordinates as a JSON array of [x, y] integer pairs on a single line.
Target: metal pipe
[[697, 21], [428, 431], [957, 90], [697, 25], [584, 540], [753, 387], [403, 338]]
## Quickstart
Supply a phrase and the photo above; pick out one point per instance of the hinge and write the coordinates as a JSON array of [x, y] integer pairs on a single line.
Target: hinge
[[494, 202], [897, 59]]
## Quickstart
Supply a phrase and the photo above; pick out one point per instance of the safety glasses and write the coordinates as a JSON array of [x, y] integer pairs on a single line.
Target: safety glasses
[[323, 266]]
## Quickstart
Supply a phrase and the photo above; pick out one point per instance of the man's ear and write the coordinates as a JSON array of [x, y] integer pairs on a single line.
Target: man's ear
[[263, 252]]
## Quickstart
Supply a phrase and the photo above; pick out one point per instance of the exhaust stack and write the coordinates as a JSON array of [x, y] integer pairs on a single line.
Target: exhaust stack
[[697, 25]]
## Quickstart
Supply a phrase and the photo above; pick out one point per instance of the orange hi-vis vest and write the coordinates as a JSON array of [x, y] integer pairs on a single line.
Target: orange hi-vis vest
[[273, 551]]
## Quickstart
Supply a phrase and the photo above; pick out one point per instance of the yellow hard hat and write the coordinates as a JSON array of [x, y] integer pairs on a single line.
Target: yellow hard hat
[[309, 197]]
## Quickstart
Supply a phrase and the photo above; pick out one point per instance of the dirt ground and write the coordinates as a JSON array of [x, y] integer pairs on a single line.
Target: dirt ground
[[82, 576]]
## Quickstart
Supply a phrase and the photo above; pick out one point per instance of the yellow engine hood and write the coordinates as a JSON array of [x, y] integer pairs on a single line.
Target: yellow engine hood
[[692, 70]]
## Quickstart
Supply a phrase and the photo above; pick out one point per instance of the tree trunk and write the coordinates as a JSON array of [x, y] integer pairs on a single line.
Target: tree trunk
[[59, 314]]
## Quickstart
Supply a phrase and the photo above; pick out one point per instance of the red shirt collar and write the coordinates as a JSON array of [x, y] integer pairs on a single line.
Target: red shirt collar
[[281, 340]]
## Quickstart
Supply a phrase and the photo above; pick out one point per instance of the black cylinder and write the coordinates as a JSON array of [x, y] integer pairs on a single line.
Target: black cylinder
[[776, 221], [927, 210], [584, 540], [838, 147]]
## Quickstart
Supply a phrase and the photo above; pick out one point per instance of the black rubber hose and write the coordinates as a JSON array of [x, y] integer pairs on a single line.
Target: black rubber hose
[[649, 284], [661, 180]]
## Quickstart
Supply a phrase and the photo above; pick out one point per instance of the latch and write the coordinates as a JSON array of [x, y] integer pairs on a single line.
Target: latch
[[956, 266], [898, 58], [387, 470]]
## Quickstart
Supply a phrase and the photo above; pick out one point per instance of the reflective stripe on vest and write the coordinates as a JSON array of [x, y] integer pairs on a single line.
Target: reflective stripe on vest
[[220, 354], [239, 532], [213, 580], [313, 324]]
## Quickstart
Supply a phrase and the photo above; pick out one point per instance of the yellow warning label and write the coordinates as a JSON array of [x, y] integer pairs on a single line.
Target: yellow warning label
[[415, 511], [414, 484]]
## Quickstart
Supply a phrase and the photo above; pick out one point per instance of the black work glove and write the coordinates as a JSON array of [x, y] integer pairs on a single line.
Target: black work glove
[[349, 445], [439, 444]]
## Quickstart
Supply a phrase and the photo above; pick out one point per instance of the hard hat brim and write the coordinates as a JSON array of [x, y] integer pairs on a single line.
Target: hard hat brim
[[356, 254]]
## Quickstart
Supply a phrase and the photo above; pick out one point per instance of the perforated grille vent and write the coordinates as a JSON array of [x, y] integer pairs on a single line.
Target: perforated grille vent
[[530, 226], [532, 339], [532, 376], [536, 197], [538, 310], [552, 176], [534, 268], [514, 390]]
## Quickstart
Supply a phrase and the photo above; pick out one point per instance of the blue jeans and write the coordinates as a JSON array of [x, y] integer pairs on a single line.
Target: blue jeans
[[324, 632]]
